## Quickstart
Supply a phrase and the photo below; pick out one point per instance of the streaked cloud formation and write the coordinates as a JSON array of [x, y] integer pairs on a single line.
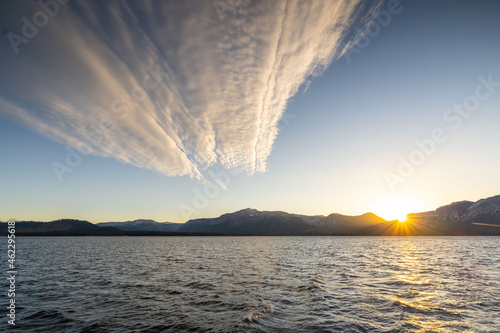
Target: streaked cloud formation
[[169, 85]]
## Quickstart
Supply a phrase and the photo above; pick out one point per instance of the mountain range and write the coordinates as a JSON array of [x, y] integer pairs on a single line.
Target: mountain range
[[143, 225], [458, 218]]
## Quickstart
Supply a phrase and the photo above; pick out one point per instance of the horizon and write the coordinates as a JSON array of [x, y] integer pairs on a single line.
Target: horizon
[[250, 208], [176, 111]]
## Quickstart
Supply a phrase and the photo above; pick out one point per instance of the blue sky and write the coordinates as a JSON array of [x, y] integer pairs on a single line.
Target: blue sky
[[340, 135]]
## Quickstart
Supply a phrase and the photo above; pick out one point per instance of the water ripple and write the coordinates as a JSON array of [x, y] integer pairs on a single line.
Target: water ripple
[[258, 284]]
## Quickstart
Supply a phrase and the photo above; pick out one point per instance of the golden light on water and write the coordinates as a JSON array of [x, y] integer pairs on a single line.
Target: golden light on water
[[417, 296]]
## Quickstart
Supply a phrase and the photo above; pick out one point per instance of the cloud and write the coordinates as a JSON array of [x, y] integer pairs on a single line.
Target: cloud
[[169, 86]]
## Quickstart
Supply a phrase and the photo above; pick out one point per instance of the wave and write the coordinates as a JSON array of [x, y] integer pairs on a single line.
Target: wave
[[264, 312]]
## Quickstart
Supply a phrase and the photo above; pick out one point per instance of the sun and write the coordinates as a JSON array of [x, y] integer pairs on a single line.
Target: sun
[[394, 212], [396, 207], [398, 214]]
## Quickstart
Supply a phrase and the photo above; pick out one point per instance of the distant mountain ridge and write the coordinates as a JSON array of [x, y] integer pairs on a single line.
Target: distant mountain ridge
[[253, 222], [142, 225], [464, 217], [63, 227], [458, 218]]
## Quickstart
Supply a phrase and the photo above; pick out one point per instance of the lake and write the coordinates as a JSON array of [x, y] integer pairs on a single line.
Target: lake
[[256, 284]]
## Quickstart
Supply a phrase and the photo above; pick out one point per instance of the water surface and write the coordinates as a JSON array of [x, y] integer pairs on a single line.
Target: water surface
[[257, 284]]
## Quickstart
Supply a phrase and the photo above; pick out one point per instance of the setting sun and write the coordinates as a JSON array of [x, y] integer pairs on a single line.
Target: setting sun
[[396, 207]]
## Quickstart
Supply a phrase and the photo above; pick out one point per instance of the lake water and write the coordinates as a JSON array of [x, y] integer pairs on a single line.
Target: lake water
[[257, 284]]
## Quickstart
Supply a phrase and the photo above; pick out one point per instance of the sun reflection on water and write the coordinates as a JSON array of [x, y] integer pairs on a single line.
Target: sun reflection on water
[[418, 297]]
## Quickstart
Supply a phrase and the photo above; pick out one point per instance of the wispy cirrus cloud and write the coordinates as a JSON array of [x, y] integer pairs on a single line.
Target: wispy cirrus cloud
[[168, 86]]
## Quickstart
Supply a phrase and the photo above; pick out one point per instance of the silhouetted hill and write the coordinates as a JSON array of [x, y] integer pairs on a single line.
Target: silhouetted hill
[[143, 225], [366, 224], [458, 218], [68, 227], [253, 222], [462, 218], [63, 227]]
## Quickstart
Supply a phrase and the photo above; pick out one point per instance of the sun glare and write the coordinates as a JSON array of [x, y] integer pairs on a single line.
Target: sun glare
[[396, 207]]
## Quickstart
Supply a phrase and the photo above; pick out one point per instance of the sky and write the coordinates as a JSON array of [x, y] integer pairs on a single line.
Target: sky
[[167, 110]]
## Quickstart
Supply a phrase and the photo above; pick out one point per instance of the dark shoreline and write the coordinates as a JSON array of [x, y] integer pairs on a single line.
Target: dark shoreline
[[236, 235]]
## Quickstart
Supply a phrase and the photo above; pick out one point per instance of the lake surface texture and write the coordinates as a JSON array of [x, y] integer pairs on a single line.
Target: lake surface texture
[[256, 284]]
